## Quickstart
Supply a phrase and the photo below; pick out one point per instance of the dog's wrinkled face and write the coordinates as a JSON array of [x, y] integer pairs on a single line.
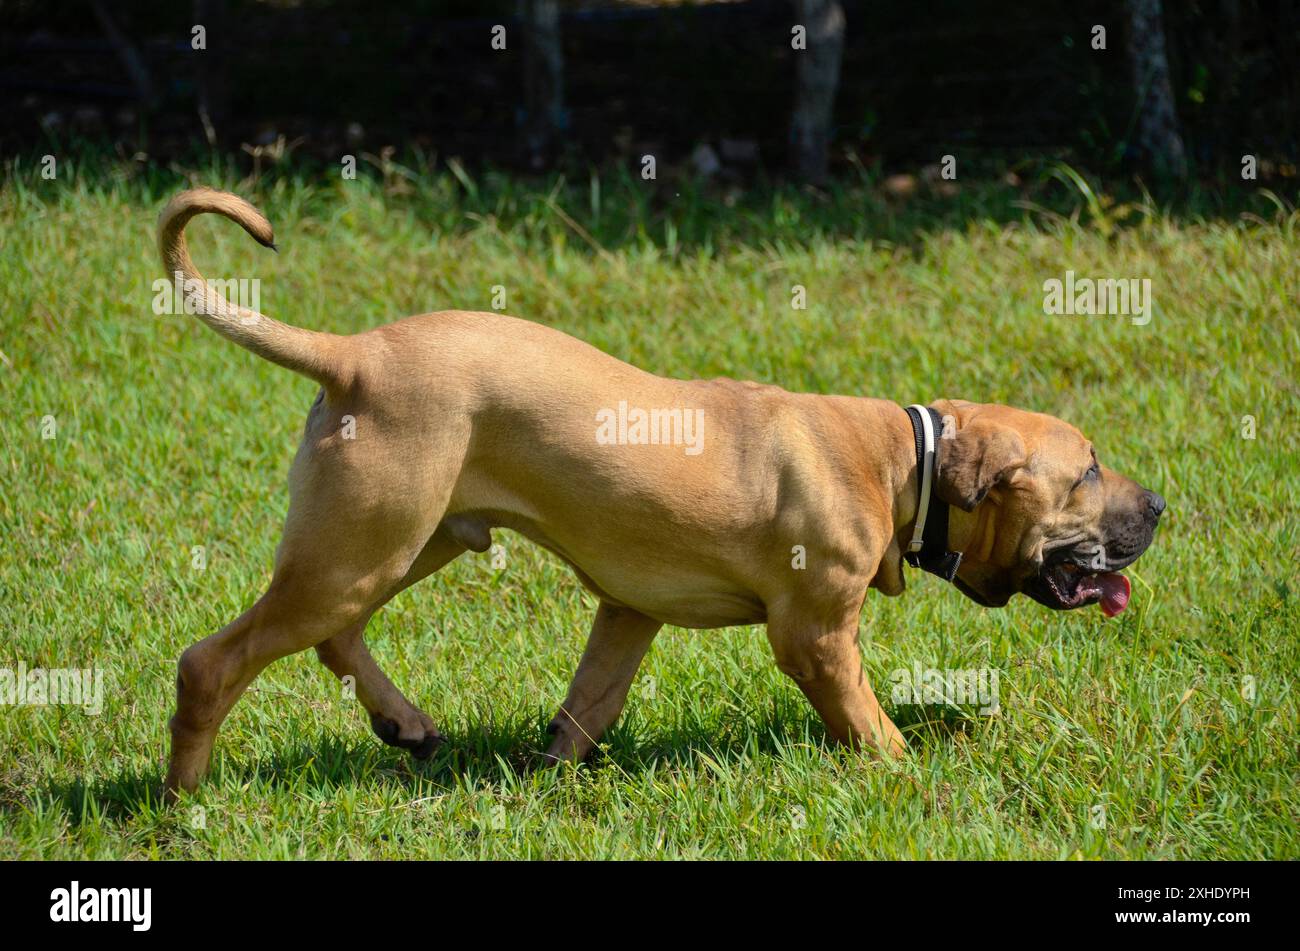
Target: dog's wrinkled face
[[1038, 514]]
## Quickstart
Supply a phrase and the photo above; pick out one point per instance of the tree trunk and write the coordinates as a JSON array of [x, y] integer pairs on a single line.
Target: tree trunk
[[817, 74], [543, 80], [1157, 140]]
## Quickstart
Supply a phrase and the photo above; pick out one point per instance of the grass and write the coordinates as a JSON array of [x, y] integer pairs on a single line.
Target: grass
[[168, 438]]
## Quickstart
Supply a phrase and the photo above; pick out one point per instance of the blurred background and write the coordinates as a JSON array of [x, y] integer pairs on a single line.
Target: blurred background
[[1173, 91]]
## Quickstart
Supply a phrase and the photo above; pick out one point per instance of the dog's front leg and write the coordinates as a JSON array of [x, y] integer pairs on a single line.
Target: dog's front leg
[[618, 641], [823, 659]]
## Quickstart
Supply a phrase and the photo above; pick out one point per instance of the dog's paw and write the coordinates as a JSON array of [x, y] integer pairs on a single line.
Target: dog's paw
[[389, 731]]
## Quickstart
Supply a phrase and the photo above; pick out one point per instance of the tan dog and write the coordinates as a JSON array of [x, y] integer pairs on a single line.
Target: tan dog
[[697, 503]]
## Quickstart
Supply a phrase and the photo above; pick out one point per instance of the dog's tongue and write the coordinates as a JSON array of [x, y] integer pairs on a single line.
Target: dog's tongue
[[1114, 593]]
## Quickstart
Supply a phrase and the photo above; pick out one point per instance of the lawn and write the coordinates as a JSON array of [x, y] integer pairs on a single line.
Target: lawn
[[131, 440]]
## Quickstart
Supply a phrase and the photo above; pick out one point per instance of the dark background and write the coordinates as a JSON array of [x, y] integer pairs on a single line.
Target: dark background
[[919, 80]]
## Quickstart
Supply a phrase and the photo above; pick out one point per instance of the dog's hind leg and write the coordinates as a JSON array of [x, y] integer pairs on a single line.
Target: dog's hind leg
[[618, 641], [337, 563], [394, 719], [299, 609]]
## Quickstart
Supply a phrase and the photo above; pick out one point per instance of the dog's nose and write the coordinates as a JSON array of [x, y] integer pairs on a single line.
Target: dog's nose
[[1156, 503]]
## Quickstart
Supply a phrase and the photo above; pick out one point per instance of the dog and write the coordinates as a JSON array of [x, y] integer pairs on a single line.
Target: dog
[[703, 504]]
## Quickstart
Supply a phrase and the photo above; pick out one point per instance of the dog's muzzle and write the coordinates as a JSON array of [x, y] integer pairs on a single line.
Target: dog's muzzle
[[1075, 576]]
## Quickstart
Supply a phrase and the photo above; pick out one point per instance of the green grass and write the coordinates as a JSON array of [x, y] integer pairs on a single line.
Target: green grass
[[169, 437]]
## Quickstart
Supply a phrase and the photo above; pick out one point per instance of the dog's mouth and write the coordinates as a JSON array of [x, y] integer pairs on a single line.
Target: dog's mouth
[[1062, 583]]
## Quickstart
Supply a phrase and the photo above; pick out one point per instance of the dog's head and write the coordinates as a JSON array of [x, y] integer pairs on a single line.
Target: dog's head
[[1038, 514]]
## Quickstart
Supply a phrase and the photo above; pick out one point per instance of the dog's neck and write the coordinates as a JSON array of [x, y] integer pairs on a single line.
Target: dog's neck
[[963, 528], [928, 547], [891, 452], [882, 440]]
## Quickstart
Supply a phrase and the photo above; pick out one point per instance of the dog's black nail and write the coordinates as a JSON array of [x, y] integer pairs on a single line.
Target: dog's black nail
[[425, 747]]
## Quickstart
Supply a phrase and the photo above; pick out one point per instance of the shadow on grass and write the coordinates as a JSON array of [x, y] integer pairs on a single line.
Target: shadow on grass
[[502, 752], [931, 726], [498, 753], [121, 798]]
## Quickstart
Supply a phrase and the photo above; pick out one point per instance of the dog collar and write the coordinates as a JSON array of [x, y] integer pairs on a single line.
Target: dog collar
[[928, 549]]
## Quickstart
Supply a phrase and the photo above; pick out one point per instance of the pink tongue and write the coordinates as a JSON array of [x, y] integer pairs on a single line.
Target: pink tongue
[[1114, 593]]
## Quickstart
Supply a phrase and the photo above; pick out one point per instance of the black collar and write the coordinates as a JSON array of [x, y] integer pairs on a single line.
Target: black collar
[[930, 551]]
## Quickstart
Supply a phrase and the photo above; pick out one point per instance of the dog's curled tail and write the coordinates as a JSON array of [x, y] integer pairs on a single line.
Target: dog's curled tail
[[312, 354]]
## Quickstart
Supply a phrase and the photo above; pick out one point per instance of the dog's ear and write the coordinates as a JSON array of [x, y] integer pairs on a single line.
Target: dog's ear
[[974, 459]]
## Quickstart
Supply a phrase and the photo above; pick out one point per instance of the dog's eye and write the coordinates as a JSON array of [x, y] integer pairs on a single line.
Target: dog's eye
[[1093, 472]]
